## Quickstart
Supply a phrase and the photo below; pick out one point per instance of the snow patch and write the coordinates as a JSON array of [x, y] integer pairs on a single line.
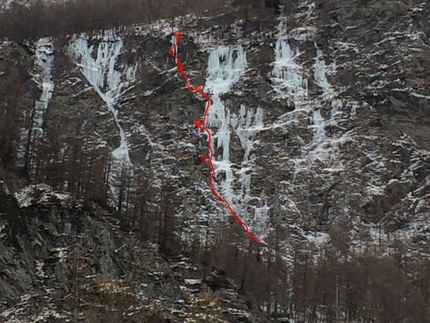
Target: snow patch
[[41, 193], [192, 281]]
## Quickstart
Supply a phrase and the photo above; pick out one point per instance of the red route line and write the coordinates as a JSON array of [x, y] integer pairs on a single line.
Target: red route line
[[200, 124]]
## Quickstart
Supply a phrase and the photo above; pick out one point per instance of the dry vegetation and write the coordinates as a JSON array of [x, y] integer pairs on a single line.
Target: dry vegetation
[[40, 20]]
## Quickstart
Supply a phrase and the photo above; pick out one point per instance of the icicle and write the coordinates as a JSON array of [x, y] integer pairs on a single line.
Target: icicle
[[223, 70], [175, 51], [320, 75], [285, 75]]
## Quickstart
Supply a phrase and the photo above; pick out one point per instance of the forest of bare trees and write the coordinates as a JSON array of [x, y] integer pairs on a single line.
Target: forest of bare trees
[[39, 19], [338, 287]]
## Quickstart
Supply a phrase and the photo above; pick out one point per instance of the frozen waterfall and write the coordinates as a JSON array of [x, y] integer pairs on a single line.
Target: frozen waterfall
[[324, 148], [107, 82], [110, 85], [320, 75], [226, 65], [288, 82], [43, 78], [285, 75]]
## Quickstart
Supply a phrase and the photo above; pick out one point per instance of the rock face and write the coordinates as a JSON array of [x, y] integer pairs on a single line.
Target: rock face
[[38, 237], [75, 262], [320, 120]]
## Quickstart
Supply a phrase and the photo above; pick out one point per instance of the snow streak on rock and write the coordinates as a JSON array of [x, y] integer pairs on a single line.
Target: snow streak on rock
[[313, 105], [324, 148], [289, 82], [287, 77], [43, 78]]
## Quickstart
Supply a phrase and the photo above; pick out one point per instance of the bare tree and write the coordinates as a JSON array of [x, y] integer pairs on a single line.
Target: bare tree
[[10, 111]]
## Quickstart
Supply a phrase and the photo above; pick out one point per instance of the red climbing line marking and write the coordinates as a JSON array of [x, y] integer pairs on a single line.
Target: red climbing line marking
[[200, 124]]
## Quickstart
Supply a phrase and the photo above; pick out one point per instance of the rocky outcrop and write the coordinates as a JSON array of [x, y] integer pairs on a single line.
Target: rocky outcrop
[[72, 259]]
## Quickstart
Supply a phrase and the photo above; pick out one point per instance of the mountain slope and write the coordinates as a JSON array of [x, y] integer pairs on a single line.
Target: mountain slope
[[320, 121]]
